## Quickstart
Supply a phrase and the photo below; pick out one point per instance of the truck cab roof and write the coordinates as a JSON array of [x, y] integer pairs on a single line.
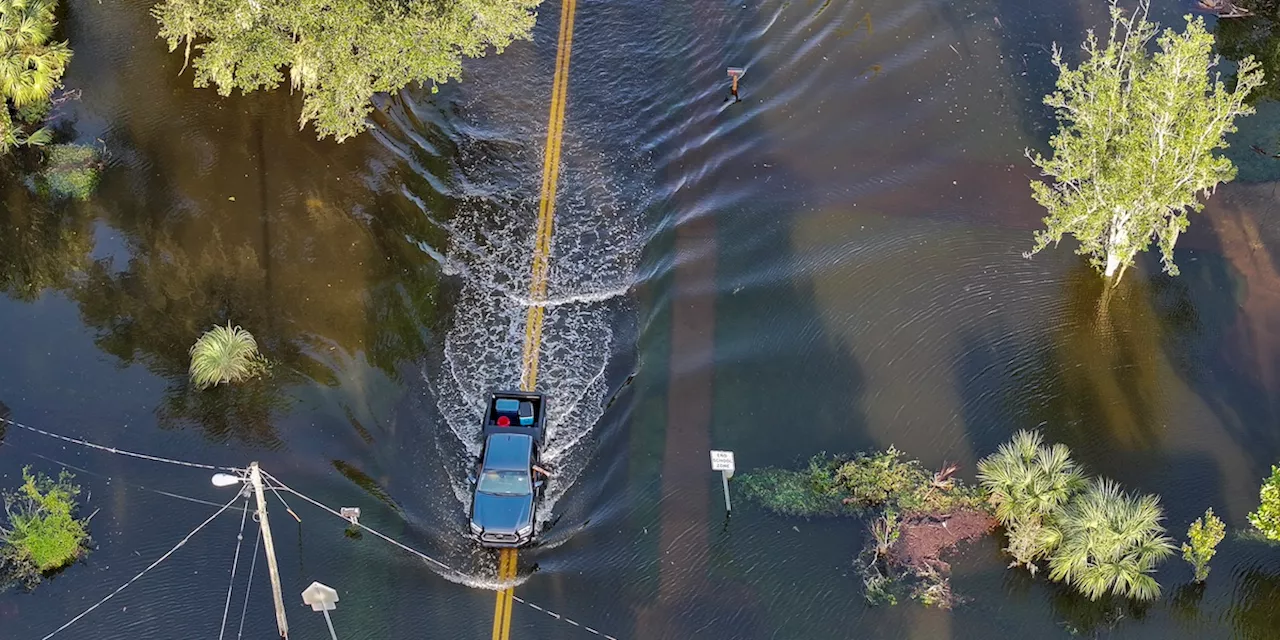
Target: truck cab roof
[[513, 451]]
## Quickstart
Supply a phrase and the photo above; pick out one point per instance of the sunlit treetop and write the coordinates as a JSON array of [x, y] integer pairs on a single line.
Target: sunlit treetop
[[1137, 137], [339, 53]]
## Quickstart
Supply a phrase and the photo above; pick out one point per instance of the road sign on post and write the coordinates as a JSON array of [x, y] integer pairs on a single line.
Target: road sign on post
[[722, 461], [324, 599]]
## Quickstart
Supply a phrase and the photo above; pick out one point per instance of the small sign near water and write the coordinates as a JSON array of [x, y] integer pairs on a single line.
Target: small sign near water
[[722, 461]]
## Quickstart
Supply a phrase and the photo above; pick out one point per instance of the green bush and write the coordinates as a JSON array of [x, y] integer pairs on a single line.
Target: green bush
[[70, 171], [835, 485], [795, 493], [1267, 518], [1202, 541], [225, 354], [43, 534]]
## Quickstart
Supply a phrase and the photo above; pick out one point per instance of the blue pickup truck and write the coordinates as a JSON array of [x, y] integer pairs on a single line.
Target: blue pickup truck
[[508, 481]]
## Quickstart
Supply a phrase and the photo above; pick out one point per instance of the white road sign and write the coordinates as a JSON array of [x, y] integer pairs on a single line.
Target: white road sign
[[722, 461]]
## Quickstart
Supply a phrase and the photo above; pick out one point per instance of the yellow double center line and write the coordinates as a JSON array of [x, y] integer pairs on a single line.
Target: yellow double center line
[[540, 272]]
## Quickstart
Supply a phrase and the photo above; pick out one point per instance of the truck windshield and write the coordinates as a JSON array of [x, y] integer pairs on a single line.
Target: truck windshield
[[512, 483]]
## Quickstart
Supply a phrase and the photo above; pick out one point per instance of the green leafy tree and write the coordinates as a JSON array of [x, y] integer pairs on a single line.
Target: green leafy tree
[[43, 534], [1110, 543], [31, 69], [1267, 518], [1136, 142], [1202, 541], [339, 53]]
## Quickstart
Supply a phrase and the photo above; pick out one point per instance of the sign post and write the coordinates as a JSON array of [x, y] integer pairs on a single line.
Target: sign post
[[324, 599], [722, 461]]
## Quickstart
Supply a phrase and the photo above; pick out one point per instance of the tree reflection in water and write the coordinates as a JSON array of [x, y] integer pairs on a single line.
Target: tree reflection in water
[[1254, 612], [42, 245]]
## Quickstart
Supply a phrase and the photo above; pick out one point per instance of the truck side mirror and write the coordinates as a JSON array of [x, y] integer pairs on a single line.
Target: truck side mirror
[[537, 484], [471, 478]]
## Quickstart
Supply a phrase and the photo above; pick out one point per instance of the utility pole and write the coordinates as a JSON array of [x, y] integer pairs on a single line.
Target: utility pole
[[255, 478]]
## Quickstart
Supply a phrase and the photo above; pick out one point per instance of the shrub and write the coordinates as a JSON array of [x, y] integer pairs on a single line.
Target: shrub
[[867, 481], [42, 535], [1202, 540], [1110, 543], [1267, 518], [225, 354]]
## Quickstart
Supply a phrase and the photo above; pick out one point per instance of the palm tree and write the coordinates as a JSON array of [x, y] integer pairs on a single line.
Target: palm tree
[[31, 67], [1028, 480], [1111, 541], [1027, 483], [224, 354]]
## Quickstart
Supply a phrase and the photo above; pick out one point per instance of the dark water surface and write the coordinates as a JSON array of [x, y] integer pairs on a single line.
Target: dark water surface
[[833, 263]]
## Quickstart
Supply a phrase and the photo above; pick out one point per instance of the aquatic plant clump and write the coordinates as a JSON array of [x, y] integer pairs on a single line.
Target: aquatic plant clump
[[42, 534], [843, 485], [71, 171], [224, 355], [1267, 518]]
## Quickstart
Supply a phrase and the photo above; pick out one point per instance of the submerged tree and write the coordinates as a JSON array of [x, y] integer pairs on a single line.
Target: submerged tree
[[1267, 518], [31, 69], [1136, 140], [1111, 542], [339, 52], [1202, 543]]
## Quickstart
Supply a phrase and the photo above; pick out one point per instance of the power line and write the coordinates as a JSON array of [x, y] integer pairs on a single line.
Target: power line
[[113, 478], [376, 533], [144, 571], [123, 452], [231, 584], [433, 560], [249, 585]]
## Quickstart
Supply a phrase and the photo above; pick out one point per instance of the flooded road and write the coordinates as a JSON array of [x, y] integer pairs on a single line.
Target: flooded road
[[832, 264]]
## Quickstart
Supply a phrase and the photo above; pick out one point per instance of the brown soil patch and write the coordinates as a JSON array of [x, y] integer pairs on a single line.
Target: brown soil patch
[[924, 538]]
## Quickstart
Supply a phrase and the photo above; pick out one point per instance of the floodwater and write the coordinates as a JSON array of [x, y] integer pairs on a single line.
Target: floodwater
[[832, 264]]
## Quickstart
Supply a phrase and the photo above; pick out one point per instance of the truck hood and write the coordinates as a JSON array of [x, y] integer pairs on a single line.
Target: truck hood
[[503, 514]]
